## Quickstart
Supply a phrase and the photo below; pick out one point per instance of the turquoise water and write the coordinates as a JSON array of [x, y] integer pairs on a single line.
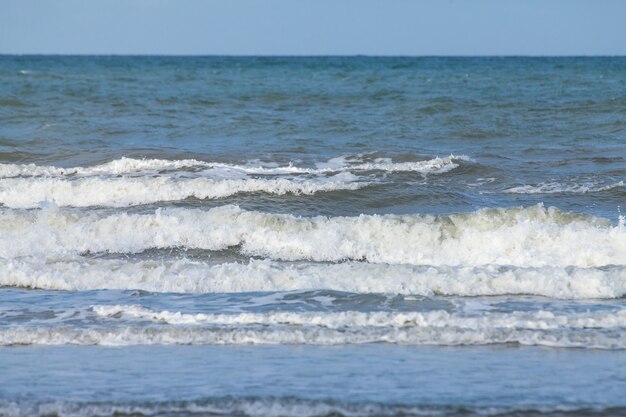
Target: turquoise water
[[312, 236]]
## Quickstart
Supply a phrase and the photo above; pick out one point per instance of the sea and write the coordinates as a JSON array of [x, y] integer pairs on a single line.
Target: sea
[[312, 236]]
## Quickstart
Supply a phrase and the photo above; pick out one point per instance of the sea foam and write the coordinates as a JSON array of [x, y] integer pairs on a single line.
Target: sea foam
[[127, 182], [123, 192], [185, 276], [351, 320], [124, 166], [433, 329], [558, 188], [524, 237]]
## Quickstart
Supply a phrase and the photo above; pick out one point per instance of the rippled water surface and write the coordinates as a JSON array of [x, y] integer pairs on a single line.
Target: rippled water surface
[[312, 236]]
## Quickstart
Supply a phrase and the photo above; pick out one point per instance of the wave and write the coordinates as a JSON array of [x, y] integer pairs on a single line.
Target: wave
[[286, 407], [127, 182], [126, 165], [523, 237], [353, 320], [557, 188], [431, 166], [116, 167], [311, 334], [123, 192], [185, 276]]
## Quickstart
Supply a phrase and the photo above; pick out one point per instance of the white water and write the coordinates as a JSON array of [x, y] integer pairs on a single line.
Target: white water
[[351, 320], [556, 188], [123, 192], [127, 182], [530, 237], [184, 276], [116, 167], [151, 166], [315, 335]]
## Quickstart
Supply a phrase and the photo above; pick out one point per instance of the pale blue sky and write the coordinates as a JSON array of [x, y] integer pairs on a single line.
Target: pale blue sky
[[314, 27]]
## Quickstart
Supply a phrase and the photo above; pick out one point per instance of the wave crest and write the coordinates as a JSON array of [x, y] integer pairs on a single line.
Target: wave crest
[[524, 237], [123, 192], [124, 166], [184, 276]]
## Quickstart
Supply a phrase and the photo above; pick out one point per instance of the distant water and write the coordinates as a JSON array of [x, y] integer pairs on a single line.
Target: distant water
[[312, 236]]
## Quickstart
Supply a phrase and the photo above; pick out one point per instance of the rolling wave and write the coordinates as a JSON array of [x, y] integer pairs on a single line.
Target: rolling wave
[[124, 192], [116, 167], [185, 276], [444, 332], [124, 166], [127, 182], [351, 320], [523, 237]]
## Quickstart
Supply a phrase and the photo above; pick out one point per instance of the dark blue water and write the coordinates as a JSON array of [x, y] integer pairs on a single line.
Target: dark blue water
[[312, 236]]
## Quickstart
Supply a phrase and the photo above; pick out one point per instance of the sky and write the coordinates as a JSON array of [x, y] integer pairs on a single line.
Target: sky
[[314, 27]]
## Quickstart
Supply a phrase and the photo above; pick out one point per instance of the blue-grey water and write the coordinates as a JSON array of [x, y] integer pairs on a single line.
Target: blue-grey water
[[312, 236]]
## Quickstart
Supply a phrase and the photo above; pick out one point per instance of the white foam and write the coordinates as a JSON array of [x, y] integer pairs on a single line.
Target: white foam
[[122, 192], [524, 237], [125, 165], [186, 276], [431, 166], [435, 328], [116, 167], [352, 320], [435, 165], [556, 188], [127, 181]]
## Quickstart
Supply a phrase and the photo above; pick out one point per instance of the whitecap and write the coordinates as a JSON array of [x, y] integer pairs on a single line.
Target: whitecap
[[124, 166], [129, 191], [558, 188], [524, 237], [186, 276]]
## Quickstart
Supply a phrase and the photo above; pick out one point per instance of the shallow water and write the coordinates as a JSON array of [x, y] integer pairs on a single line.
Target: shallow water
[[312, 380], [393, 236]]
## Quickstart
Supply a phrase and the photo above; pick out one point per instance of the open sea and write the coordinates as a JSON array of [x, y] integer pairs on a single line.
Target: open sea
[[332, 236]]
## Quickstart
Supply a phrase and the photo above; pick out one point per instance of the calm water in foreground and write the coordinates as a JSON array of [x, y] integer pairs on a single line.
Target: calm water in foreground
[[312, 236]]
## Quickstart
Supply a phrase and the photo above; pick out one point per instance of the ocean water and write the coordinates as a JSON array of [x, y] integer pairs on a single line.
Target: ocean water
[[188, 236]]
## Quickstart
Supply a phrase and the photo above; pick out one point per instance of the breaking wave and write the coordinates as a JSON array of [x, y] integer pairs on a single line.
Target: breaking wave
[[557, 188], [126, 181], [185, 276], [123, 192], [523, 237], [351, 320], [434, 328], [125, 166]]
